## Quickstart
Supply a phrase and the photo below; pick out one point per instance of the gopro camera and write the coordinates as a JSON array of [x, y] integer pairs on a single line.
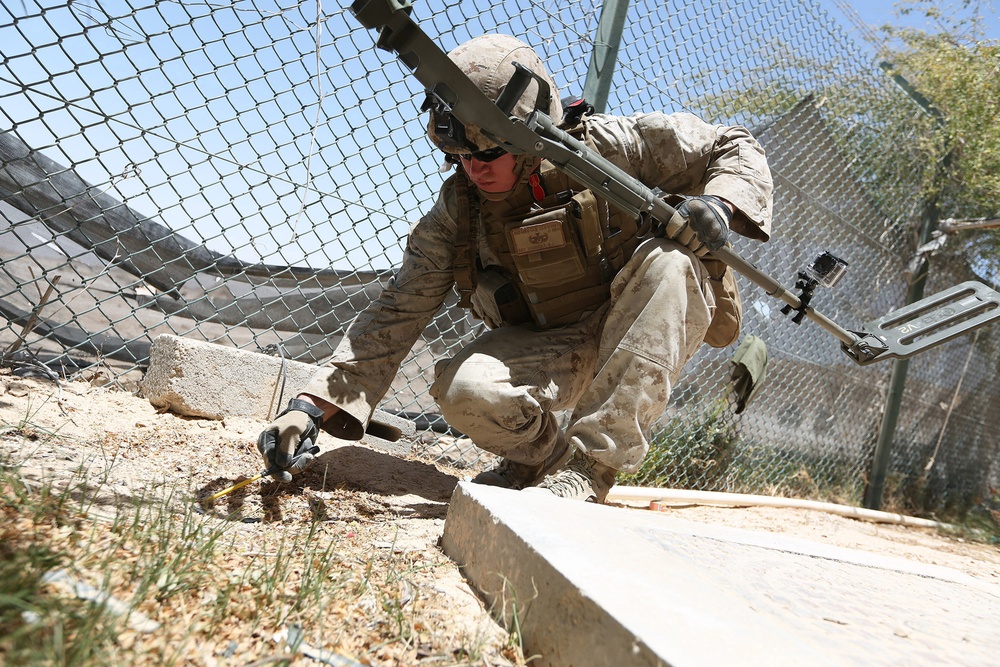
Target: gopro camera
[[827, 269]]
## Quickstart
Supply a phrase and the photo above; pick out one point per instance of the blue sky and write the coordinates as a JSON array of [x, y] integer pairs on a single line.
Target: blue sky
[[877, 13]]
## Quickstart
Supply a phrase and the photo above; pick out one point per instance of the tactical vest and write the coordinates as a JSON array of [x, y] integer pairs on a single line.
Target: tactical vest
[[551, 250], [548, 253]]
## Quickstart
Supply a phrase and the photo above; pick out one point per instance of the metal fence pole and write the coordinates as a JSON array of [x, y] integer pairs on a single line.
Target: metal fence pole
[[897, 377], [605, 54]]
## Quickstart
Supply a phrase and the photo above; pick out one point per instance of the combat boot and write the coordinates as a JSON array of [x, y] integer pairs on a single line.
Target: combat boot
[[581, 478], [513, 475]]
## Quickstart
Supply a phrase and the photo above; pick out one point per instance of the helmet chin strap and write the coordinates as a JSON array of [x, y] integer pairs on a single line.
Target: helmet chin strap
[[523, 166]]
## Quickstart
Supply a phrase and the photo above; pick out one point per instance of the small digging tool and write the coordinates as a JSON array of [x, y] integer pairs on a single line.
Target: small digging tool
[[308, 449]]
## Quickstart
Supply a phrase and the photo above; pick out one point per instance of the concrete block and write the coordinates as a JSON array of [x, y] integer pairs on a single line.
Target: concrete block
[[202, 379], [599, 585]]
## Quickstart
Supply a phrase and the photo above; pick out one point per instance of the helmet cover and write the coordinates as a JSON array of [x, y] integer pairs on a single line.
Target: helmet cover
[[488, 61]]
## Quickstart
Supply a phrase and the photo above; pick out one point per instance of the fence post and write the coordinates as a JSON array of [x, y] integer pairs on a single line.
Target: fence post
[[897, 381], [897, 377], [602, 61], [894, 397]]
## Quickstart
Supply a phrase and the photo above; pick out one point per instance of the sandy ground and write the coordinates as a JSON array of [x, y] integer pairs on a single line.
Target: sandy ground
[[380, 501]]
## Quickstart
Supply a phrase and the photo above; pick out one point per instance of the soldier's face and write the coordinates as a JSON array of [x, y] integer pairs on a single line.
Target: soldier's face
[[494, 176]]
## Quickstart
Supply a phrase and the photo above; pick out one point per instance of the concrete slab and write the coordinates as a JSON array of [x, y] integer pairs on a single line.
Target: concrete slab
[[598, 585], [199, 379]]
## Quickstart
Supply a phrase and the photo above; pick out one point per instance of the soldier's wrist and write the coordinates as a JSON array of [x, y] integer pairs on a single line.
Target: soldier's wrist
[[314, 411]]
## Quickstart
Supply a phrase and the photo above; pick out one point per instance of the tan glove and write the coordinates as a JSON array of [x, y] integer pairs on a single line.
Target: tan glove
[[288, 443], [701, 224]]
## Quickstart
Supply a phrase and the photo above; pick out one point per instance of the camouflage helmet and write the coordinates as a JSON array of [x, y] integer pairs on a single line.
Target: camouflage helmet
[[489, 61]]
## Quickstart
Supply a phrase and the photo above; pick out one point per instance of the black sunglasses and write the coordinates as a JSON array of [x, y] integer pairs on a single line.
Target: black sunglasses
[[487, 155]]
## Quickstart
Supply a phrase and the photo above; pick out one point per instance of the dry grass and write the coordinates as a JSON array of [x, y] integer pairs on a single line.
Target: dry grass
[[161, 580]]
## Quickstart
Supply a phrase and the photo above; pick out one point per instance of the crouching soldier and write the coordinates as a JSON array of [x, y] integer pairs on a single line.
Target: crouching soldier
[[587, 309]]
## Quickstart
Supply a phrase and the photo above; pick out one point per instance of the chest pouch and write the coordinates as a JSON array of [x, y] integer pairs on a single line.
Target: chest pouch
[[497, 302], [545, 242]]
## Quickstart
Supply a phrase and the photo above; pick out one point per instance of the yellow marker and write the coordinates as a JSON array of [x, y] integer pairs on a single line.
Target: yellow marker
[[239, 485]]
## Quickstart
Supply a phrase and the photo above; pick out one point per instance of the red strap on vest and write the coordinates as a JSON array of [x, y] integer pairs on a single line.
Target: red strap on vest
[[537, 191]]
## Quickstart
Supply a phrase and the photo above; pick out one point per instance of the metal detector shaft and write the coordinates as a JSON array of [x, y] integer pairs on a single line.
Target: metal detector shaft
[[773, 288], [900, 335], [539, 135], [633, 196]]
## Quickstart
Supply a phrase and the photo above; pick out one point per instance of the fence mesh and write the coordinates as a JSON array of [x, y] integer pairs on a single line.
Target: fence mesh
[[245, 173]]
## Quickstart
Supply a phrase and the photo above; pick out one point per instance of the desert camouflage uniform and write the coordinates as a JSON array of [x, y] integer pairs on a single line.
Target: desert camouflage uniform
[[616, 365]]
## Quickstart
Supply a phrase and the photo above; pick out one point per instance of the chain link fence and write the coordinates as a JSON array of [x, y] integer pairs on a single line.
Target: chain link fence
[[245, 173]]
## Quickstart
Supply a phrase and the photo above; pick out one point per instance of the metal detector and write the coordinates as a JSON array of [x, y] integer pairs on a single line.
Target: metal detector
[[899, 335]]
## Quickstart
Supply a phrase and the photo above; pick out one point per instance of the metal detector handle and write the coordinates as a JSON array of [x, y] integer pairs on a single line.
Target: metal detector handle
[[514, 89]]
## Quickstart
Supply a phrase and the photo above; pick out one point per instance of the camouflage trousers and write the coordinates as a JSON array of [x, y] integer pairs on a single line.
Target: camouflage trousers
[[614, 369]]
